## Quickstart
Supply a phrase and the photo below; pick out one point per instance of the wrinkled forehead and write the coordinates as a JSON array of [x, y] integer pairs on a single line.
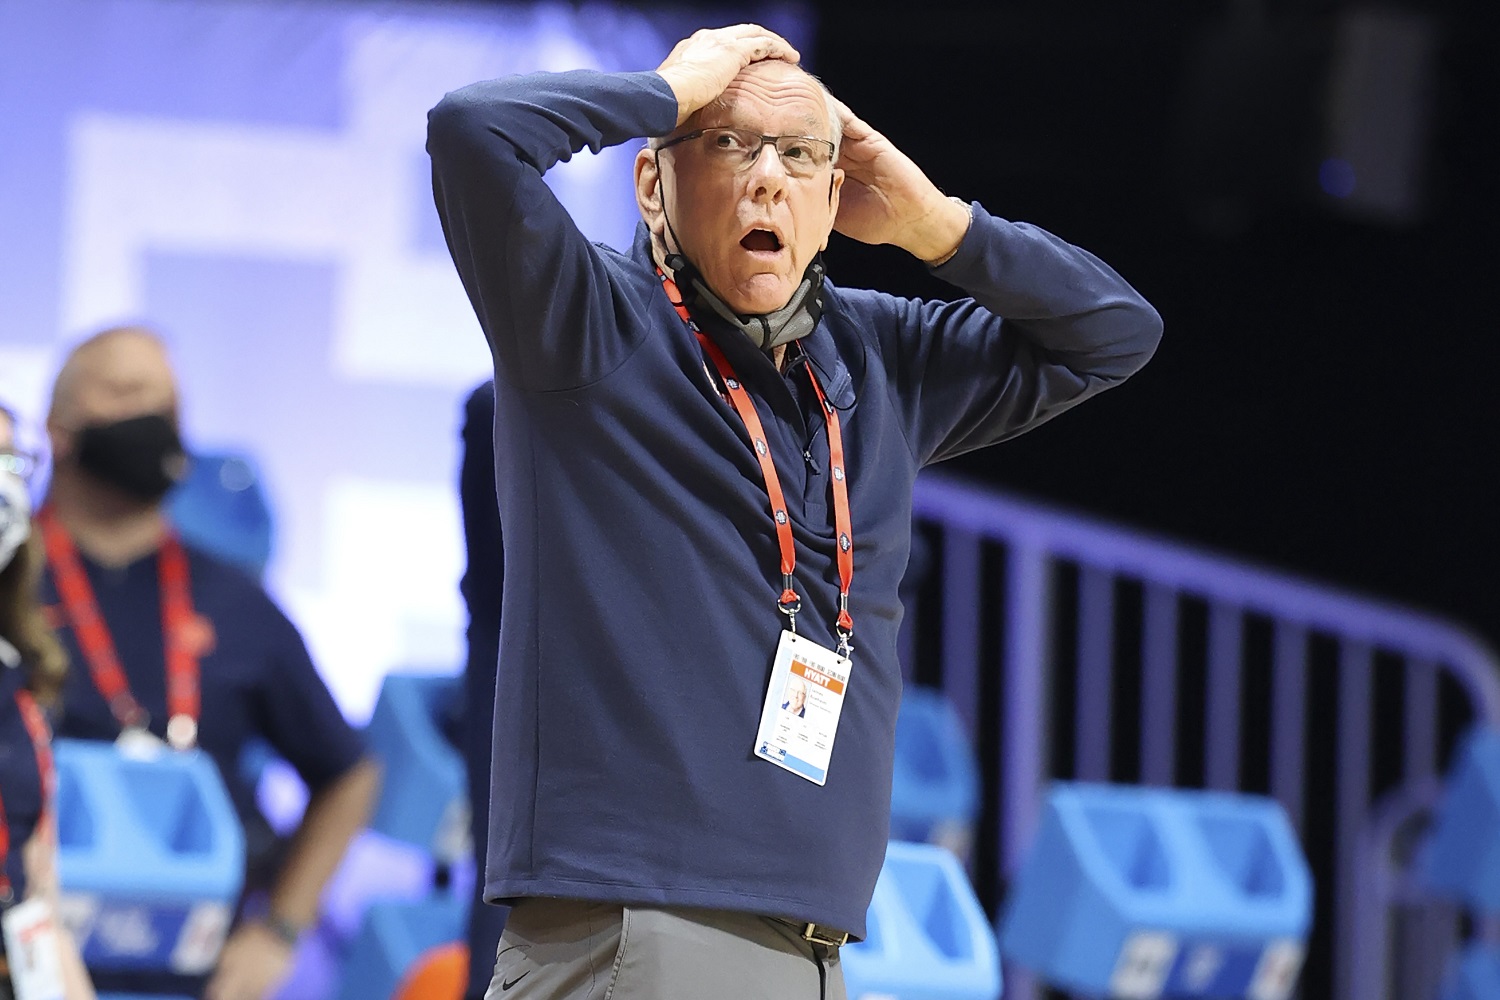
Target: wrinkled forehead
[[774, 97]]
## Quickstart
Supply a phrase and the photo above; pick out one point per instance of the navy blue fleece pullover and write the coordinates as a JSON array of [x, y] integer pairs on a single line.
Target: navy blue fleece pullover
[[641, 567]]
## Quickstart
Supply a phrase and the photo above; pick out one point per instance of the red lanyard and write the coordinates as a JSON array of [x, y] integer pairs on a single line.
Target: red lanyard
[[41, 744], [182, 634], [789, 602]]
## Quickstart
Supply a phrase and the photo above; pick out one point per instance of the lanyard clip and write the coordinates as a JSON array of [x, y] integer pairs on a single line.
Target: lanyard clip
[[844, 626], [128, 712], [789, 602]]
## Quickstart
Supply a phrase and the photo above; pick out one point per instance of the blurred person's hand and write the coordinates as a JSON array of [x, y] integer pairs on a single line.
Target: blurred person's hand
[[254, 963]]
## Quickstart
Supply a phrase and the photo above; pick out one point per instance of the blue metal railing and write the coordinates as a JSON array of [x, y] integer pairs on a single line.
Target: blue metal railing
[[981, 536]]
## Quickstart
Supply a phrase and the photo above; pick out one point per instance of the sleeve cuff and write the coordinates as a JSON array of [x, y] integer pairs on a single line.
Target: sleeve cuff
[[967, 247]]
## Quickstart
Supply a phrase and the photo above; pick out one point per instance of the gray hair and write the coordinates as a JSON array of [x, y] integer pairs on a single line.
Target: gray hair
[[830, 104]]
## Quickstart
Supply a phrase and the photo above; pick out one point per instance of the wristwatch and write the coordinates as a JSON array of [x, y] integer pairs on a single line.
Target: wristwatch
[[283, 928]]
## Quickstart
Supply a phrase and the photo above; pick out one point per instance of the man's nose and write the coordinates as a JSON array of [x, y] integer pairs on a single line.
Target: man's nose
[[767, 175]]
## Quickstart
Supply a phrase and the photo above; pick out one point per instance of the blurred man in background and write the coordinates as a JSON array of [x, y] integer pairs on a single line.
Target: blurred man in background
[[171, 644]]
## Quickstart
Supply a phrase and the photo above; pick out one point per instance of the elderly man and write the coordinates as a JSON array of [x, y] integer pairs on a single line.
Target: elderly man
[[705, 458], [169, 643]]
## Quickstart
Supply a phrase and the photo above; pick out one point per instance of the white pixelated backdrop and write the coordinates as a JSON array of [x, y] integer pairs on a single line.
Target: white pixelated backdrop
[[249, 178]]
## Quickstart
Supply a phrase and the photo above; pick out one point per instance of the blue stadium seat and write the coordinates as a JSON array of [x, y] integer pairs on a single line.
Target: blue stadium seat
[[1146, 892], [927, 937], [423, 795], [1463, 853], [221, 507], [935, 784], [1475, 975], [394, 935], [150, 857]]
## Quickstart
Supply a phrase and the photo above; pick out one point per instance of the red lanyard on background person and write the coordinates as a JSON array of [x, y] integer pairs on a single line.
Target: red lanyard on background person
[[790, 602], [181, 633], [41, 745]]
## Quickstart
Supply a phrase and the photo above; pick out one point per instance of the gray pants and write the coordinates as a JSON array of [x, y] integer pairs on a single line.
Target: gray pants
[[555, 949]]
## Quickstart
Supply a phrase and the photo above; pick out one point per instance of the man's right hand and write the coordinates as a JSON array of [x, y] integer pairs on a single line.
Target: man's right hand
[[700, 66]]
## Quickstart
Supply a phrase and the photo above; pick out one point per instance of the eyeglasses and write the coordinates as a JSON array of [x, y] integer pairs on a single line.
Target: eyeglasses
[[801, 155], [19, 463]]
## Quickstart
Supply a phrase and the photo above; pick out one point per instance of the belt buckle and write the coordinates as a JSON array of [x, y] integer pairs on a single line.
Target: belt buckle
[[821, 935]]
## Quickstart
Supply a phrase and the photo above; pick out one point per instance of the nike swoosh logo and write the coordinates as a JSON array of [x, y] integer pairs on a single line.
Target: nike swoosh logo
[[511, 982]]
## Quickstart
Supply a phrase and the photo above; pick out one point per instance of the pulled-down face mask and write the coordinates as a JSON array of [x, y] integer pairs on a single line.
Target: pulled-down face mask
[[792, 321]]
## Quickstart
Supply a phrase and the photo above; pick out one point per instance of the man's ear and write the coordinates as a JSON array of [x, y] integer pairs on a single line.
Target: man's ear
[[61, 440], [835, 185], [648, 190]]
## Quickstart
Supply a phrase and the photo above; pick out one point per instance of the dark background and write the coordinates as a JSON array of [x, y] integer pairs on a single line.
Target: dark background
[[1322, 400]]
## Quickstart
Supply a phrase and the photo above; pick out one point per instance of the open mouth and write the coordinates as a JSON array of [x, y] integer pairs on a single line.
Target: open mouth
[[761, 240]]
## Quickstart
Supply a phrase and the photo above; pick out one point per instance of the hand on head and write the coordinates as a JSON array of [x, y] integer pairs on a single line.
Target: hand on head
[[888, 199], [700, 66]]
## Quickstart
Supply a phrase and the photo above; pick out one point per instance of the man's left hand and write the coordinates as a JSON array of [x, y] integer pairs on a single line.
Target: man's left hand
[[886, 198], [253, 964]]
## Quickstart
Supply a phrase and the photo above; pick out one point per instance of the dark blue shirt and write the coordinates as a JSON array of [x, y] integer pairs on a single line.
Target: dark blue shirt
[[257, 682], [20, 781], [482, 584], [641, 563]]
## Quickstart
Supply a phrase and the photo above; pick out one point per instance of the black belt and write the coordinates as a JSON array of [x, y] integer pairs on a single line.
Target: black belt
[[819, 934]]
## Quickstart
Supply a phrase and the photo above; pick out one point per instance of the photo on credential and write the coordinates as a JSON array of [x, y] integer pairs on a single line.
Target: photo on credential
[[794, 696]]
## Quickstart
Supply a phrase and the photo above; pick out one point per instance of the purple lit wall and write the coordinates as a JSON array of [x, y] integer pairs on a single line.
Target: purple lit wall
[[250, 178]]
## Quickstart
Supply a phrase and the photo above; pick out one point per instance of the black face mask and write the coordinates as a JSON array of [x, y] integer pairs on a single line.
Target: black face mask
[[141, 456]]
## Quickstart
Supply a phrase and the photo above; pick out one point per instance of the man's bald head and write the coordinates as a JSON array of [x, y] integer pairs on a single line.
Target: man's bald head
[[115, 374]]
